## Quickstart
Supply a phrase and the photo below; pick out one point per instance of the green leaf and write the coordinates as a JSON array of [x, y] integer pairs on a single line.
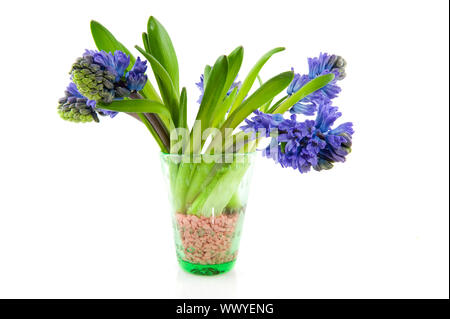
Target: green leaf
[[211, 97], [237, 141], [251, 77], [149, 92], [262, 95], [183, 109], [267, 104], [259, 80], [213, 91], [206, 75], [166, 86], [234, 64], [104, 40], [307, 89], [200, 178], [145, 41], [273, 108], [136, 106], [162, 49], [223, 108]]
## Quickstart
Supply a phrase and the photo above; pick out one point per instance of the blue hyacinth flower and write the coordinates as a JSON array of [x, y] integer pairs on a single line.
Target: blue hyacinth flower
[[318, 66], [304, 145], [136, 77]]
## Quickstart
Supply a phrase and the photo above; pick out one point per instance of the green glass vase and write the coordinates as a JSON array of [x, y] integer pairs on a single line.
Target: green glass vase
[[208, 196]]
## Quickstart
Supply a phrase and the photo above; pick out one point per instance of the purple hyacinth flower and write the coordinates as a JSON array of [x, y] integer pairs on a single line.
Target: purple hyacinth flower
[[73, 93], [326, 116], [262, 123], [339, 140], [323, 64], [116, 64], [200, 86], [304, 145], [318, 66], [137, 78]]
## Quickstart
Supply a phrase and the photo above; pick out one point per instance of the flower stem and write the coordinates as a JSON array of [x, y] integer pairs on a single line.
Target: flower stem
[[153, 131], [155, 125]]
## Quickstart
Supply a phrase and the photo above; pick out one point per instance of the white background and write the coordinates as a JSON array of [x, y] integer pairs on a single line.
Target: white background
[[84, 210]]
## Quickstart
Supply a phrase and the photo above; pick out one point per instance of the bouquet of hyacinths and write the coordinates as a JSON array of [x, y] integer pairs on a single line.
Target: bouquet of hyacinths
[[208, 165]]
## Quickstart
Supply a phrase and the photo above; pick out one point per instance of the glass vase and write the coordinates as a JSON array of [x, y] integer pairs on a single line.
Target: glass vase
[[208, 196]]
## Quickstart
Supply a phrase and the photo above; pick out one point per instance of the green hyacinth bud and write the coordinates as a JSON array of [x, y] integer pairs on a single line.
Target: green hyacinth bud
[[339, 64], [76, 110], [92, 82], [323, 164]]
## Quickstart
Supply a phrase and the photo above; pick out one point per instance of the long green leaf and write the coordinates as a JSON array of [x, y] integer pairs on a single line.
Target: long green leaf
[[266, 105], [223, 189], [206, 75], [269, 109], [216, 82], [234, 64], [166, 86], [136, 106], [145, 41], [223, 108], [105, 40], [307, 89], [183, 109], [162, 49], [210, 98], [264, 93], [251, 77]]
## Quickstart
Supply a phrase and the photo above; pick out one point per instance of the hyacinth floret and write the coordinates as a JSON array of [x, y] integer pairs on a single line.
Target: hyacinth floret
[[136, 77], [309, 104], [75, 107], [94, 80], [318, 66], [338, 140], [99, 77], [262, 122], [304, 145], [326, 63]]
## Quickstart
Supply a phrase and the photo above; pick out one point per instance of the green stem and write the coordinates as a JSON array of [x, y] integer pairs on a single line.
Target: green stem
[[218, 193], [153, 131], [181, 185], [199, 179], [197, 205], [160, 129], [155, 125], [235, 202]]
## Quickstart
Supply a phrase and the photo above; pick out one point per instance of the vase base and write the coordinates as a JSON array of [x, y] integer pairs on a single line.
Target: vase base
[[206, 270]]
